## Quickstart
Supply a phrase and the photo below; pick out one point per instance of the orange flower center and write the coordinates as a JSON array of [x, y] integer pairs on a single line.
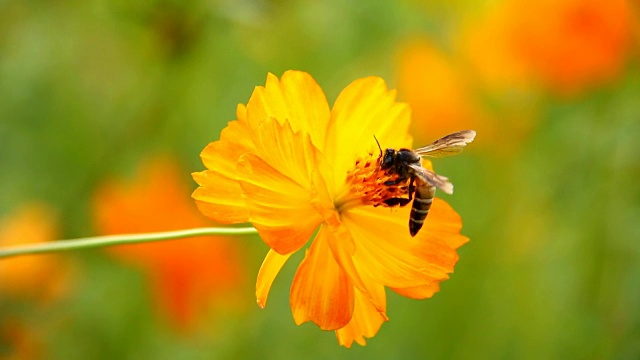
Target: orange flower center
[[368, 184]]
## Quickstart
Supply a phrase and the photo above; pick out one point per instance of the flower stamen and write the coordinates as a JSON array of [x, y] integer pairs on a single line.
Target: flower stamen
[[368, 184]]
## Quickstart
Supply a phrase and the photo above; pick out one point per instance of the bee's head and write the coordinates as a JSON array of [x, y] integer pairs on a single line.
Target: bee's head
[[388, 158]]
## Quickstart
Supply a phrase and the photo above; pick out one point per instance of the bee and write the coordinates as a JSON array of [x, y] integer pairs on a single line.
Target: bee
[[406, 164]]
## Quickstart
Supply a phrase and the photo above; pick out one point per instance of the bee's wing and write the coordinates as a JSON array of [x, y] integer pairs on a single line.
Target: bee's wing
[[428, 176], [448, 145]]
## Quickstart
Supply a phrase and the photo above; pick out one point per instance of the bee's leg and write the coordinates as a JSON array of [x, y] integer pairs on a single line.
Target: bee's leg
[[411, 188], [397, 201], [397, 181]]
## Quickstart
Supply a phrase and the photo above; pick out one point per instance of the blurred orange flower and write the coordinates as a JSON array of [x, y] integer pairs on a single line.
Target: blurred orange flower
[[284, 166], [188, 276], [19, 341], [566, 45], [446, 95], [37, 277], [440, 93]]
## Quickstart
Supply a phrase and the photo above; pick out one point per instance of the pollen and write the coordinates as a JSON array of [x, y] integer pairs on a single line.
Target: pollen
[[374, 186]]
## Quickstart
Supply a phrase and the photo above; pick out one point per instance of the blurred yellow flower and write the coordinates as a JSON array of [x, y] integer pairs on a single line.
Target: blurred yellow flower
[[283, 165], [188, 276], [36, 277]]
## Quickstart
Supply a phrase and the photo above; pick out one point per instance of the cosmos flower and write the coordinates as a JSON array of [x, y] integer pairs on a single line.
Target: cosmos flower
[[188, 277], [297, 169], [565, 45], [29, 282], [439, 91], [445, 96], [35, 277]]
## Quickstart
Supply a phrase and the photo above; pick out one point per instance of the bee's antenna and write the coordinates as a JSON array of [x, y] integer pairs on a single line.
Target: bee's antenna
[[378, 142]]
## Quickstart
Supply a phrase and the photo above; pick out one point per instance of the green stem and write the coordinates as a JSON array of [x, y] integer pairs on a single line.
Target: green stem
[[110, 240]]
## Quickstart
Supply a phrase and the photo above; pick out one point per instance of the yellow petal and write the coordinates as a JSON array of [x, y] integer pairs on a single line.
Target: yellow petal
[[444, 224], [321, 291], [295, 98], [343, 247], [220, 198], [364, 109], [292, 154], [278, 207], [386, 252], [271, 266], [419, 292], [223, 154], [366, 321], [241, 113]]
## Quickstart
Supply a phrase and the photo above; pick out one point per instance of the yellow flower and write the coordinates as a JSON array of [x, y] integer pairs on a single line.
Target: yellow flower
[[293, 167], [37, 277]]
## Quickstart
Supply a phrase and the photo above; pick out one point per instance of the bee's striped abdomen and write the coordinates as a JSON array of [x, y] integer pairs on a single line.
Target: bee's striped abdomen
[[424, 194]]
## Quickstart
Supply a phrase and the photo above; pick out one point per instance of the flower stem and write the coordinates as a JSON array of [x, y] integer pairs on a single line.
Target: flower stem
[[110, 240]]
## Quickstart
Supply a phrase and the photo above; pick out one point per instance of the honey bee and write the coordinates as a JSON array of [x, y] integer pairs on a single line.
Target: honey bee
[[406, 164]]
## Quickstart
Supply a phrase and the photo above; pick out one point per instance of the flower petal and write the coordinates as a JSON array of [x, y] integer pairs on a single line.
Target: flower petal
[[366, 321], [278, 207], [220, 198], [321, 291], [419, 292], [386, 252], [223, 154], [295, 98], [364, 109], [291, 153], [241, 113], [444, 224], [343, 247], [271, 266]]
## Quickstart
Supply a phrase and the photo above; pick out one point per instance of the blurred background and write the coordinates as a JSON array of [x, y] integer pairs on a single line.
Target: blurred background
[[106, 105]]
